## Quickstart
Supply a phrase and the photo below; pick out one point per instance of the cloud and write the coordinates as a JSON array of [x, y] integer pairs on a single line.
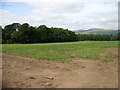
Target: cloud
[[8, 18], [60, 0], [72, 14]]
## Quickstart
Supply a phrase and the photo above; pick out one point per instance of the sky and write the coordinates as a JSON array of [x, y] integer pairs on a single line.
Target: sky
[[68, 14]]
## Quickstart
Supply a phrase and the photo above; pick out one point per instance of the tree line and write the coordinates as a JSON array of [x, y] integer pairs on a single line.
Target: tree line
[[99, 37], [17, 33], [24, 33]]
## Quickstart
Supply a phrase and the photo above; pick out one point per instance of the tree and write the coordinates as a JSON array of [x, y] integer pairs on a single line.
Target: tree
[[15, 36], [32, 35], [8, 30], [1, 29], [23, 29]]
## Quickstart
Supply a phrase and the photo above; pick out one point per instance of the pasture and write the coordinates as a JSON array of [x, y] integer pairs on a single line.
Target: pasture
[[61, 51]]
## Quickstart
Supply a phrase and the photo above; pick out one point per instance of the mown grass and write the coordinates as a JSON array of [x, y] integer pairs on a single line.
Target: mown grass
[[61, 51]]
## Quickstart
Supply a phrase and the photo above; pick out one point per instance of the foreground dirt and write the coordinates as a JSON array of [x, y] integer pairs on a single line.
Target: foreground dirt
[[25, 72]]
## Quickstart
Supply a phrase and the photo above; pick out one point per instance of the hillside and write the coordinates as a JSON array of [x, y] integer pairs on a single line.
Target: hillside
[[97, 31]]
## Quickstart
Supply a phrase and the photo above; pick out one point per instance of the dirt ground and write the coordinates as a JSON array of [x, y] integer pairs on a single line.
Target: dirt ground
[[25, 72]]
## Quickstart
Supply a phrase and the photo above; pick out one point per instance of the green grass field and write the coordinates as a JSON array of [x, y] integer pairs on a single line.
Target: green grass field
[[61, 51]]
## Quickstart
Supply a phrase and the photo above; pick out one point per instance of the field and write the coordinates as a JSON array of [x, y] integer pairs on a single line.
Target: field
[[61, 51], [91, 64]]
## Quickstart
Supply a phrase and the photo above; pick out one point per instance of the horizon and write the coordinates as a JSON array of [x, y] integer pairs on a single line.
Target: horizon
[[72, 15], [64, 28]]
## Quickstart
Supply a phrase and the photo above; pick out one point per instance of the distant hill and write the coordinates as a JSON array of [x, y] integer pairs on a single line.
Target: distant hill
[[97, 31]]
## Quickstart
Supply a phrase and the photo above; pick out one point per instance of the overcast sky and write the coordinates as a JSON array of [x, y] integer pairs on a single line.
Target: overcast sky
[[71, 14]]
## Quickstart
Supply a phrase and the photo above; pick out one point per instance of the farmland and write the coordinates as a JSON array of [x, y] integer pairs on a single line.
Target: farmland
[[83, 64], [61, 51]]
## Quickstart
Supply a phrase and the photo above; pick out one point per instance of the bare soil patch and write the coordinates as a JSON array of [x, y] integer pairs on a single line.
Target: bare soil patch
[[25, 72], [113, 50]]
